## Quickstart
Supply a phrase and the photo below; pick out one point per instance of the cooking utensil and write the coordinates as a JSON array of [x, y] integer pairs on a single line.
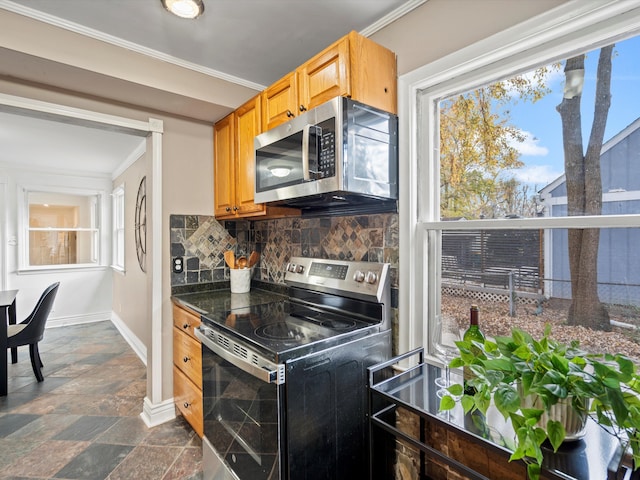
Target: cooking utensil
[[253, 259], [241, 262], [230, 258]]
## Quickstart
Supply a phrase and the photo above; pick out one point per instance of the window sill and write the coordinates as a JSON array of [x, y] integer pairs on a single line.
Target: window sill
[[60, 268], [119, 270]]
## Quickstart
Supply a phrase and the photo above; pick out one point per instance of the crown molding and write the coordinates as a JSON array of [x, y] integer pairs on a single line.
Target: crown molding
[[391, 17]]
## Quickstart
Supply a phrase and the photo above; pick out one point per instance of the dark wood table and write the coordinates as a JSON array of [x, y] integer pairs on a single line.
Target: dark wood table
[[7, 316]]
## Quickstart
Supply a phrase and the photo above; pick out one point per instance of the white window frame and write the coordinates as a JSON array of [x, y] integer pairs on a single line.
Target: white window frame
[[98, 218], [578, 25], [118, 222]]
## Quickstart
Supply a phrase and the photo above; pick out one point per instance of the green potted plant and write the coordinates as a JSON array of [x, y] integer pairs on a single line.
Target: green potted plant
[[526, 379]]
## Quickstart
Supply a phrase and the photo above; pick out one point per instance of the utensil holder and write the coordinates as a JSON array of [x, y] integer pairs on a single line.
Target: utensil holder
[[240, 280]]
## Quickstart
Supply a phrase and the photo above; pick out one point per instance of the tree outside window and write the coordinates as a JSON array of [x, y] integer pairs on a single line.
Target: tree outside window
[[549, 162]]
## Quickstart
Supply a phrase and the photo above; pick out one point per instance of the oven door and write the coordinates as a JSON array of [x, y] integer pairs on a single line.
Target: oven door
[[242, 418]]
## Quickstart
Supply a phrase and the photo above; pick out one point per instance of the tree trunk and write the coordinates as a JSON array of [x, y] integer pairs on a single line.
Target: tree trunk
[[584, 187]]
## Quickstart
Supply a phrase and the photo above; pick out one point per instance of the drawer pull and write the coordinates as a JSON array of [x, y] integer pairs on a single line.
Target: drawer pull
[[185, 326], [186, 359], [187, 404]]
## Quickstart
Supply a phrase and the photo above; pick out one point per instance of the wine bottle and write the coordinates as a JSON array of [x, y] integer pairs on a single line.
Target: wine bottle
[[472, 334]]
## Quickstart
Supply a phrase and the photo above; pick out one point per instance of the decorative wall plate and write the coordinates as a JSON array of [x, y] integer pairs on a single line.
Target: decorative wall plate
[[141, 224]]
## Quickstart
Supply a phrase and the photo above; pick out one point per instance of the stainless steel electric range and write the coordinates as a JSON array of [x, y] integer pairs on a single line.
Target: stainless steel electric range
[[284, 383]]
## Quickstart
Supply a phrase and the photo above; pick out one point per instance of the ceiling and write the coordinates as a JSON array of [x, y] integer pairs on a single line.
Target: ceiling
[[248, 42]]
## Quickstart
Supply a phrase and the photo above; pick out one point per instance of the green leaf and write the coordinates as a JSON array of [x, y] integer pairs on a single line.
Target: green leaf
[[532, 414], [559, 391], [518, 336], [506, 399], [467, 403], [533, 471], [447, 403], [493, 377], [617, 404], [498, 364], [556, 433], [456, 389], [560, 363], [526, 380], [626, 366], [523, 352], [456, 363]]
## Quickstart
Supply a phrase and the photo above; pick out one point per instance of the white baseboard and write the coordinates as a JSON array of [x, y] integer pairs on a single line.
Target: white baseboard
[[77, 319], [134, 342], [157, 414]]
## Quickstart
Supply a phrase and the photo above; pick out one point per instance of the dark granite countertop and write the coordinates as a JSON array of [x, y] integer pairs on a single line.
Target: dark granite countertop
[[211, 301]]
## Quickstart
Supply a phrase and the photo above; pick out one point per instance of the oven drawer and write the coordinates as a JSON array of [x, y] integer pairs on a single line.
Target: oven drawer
[[187, 356], [188, 399], [185, 320]]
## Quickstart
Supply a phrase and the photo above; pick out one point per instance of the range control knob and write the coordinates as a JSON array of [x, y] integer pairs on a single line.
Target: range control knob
[[291, 267], [358, 276], [371, 277], [299, 268]]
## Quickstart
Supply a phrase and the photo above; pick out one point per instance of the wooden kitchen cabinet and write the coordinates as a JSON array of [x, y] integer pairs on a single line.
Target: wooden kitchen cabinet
[[280, 102], [224, 167], [354, 66], [187, 367], [234, 165]]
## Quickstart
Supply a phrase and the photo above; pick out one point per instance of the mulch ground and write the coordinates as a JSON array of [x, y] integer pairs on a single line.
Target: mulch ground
[[495, 320]]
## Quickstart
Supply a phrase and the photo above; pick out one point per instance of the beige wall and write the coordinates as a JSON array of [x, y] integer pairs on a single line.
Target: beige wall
[[440, 27], [130, 287]]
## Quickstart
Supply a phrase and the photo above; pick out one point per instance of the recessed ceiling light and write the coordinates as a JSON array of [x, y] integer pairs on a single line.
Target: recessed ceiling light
[[184, 8]]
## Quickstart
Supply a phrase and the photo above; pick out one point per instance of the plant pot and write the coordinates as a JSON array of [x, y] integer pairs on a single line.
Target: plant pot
[[574, 422]]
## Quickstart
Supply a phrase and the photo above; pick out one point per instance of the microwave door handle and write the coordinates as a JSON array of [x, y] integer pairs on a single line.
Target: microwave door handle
[[306, 133]]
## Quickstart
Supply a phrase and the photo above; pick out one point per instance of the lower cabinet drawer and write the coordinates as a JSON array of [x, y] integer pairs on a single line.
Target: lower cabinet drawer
[[188, 399], [187, 355]]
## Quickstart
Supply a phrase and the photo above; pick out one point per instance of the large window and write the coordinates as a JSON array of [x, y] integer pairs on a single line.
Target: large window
[[61, 229], [531, 209]]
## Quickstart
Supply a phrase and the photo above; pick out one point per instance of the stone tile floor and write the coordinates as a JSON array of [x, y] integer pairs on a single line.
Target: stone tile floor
[[83, 421]]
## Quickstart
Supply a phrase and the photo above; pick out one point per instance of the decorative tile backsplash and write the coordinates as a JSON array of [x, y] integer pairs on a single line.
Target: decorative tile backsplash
[[202, 241]]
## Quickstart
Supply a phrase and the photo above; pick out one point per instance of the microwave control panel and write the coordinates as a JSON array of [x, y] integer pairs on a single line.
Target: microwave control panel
[[327, 149]]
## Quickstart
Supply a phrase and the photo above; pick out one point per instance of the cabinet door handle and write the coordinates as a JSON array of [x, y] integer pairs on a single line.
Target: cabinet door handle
[[187, 404], [186, 359], [303, 108], [185, 326], [289, 113], [235, 209], [228, 209]]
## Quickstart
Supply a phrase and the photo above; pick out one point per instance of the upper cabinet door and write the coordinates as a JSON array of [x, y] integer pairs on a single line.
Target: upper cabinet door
[[279, 102], [247, 127], [224, 167], [325, 76]]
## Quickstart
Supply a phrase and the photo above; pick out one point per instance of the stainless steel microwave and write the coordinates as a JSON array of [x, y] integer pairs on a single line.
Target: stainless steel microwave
[[341, 152]]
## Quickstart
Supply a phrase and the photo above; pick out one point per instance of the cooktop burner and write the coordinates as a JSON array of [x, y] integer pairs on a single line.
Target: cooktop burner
[[286, 331]]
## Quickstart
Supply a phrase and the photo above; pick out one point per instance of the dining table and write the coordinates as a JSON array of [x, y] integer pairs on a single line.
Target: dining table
[[7, 317]]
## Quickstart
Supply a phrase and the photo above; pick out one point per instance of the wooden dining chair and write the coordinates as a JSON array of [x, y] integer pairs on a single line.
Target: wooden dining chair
[[31, 330]]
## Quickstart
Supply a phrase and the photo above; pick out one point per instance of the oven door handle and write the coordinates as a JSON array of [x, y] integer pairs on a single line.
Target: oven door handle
[[268, 373]]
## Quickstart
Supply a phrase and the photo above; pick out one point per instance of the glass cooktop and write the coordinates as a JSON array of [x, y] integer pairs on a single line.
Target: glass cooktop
[[283, 325]]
